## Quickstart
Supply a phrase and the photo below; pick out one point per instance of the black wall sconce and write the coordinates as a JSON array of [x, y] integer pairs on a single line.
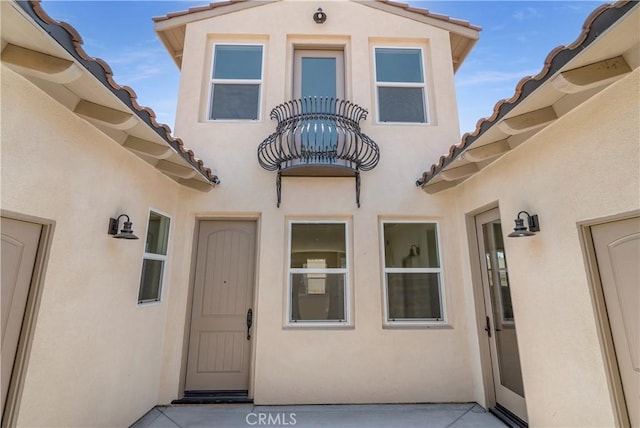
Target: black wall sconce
[[126, 232], [521, 230], [319, 16]]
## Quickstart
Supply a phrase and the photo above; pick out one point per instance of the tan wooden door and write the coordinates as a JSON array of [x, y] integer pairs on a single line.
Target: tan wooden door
[[219, 343], [19, 248], [617, 246], [500, 318]]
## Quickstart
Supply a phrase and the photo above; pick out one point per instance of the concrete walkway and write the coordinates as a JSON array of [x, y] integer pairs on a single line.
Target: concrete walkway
[[330, 416]]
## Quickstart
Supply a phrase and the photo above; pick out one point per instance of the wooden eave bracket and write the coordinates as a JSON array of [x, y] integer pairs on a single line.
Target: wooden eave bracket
[[454, 174], [147, 148], [38, 64], [488, 151], [432, 188], [528, 121], [592, 75], [104, 115], [176, 170], [196, 184]]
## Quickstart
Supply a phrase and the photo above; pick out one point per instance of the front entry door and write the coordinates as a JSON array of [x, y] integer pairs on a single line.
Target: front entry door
[[617, 246], [220, 338], [20, 241], [500, 320]]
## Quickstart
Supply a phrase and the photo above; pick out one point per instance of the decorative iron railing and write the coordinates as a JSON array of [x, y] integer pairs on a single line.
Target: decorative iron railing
[[318, 136]]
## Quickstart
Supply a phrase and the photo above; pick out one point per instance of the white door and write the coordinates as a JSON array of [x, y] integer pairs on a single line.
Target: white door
[[221, 334], [617, 246], [20, 241], [500, 319]]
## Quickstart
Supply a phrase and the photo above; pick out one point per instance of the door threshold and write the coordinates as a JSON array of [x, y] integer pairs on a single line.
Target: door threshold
[[507, 417], [214, 397]]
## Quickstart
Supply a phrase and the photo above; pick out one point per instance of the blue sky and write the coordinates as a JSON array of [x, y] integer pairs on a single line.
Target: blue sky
[[514, 42]]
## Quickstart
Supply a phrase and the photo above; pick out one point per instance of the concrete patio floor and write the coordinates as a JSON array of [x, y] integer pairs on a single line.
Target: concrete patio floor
[[333, 416]]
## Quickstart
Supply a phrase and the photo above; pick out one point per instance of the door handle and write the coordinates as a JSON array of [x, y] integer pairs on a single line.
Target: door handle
[[249, 323], [487, 326]]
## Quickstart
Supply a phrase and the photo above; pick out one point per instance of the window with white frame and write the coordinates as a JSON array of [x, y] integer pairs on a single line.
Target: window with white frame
[[155, 257], [412, 273], [236, 82], [400, 85], [318, 273]]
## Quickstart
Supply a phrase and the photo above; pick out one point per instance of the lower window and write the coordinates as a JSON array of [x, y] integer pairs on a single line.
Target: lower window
[[318, 274], [412, 273], [154, 259]]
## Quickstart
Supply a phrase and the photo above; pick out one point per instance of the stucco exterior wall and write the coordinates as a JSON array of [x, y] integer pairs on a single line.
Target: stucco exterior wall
[[584, 167], [94, 358], [364, 363]]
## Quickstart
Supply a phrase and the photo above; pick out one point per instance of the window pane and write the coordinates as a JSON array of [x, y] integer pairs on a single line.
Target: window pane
[[150, 280], [401, 104], [318, 77], [318, 246], [399, 65], [413, 296], [317, 297], [237, 62], [411, 245], [157, 234], [235, 101]]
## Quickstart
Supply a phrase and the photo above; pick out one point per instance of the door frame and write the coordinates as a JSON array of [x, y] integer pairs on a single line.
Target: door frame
[[484, 347], [32, 309], [605, 337], [197, 220]]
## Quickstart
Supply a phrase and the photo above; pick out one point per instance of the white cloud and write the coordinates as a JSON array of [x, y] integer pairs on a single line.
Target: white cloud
[[527, 13]]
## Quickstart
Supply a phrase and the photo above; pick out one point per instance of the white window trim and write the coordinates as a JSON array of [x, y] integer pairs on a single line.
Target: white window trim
[[417, 322], [423, 85], [347, 280], [153, 256], [212, 81]]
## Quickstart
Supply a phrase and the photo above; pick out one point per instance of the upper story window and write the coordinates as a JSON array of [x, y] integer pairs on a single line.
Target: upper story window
[[400, 85], [236, 82]]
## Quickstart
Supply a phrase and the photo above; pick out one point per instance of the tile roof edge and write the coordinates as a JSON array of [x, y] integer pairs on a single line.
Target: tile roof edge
[[69, 38], [528, 84], [405, 6]]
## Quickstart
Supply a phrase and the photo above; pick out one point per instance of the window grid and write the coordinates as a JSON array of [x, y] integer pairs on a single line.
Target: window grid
[[229, 81], [150, 255], [399, 84], [442, 320], [320, 272]]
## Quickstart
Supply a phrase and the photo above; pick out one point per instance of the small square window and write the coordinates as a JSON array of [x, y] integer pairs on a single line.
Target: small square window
[[412, 273], [154, 259], [318, 274], [236, 81], [400, 85]]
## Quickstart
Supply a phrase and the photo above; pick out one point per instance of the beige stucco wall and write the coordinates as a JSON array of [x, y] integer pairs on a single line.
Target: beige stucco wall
[[94, 360], [584, 167], [364, 363]]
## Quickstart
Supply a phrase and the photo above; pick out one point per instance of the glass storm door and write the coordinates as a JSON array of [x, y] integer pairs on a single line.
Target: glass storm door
[[500, 320]]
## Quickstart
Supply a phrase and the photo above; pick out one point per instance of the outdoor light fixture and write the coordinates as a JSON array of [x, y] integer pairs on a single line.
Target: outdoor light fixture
[[521, 230], [126, 232], [319, 16]]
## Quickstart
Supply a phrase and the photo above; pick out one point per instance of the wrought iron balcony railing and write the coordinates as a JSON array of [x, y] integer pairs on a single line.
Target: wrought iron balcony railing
[[318, 137]]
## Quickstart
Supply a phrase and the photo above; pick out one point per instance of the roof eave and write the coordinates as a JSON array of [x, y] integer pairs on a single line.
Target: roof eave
[[121, 115], [512, 122]]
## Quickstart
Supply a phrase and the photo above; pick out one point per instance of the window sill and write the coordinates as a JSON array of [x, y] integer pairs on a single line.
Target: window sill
[[417, 325], [302, 325]]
